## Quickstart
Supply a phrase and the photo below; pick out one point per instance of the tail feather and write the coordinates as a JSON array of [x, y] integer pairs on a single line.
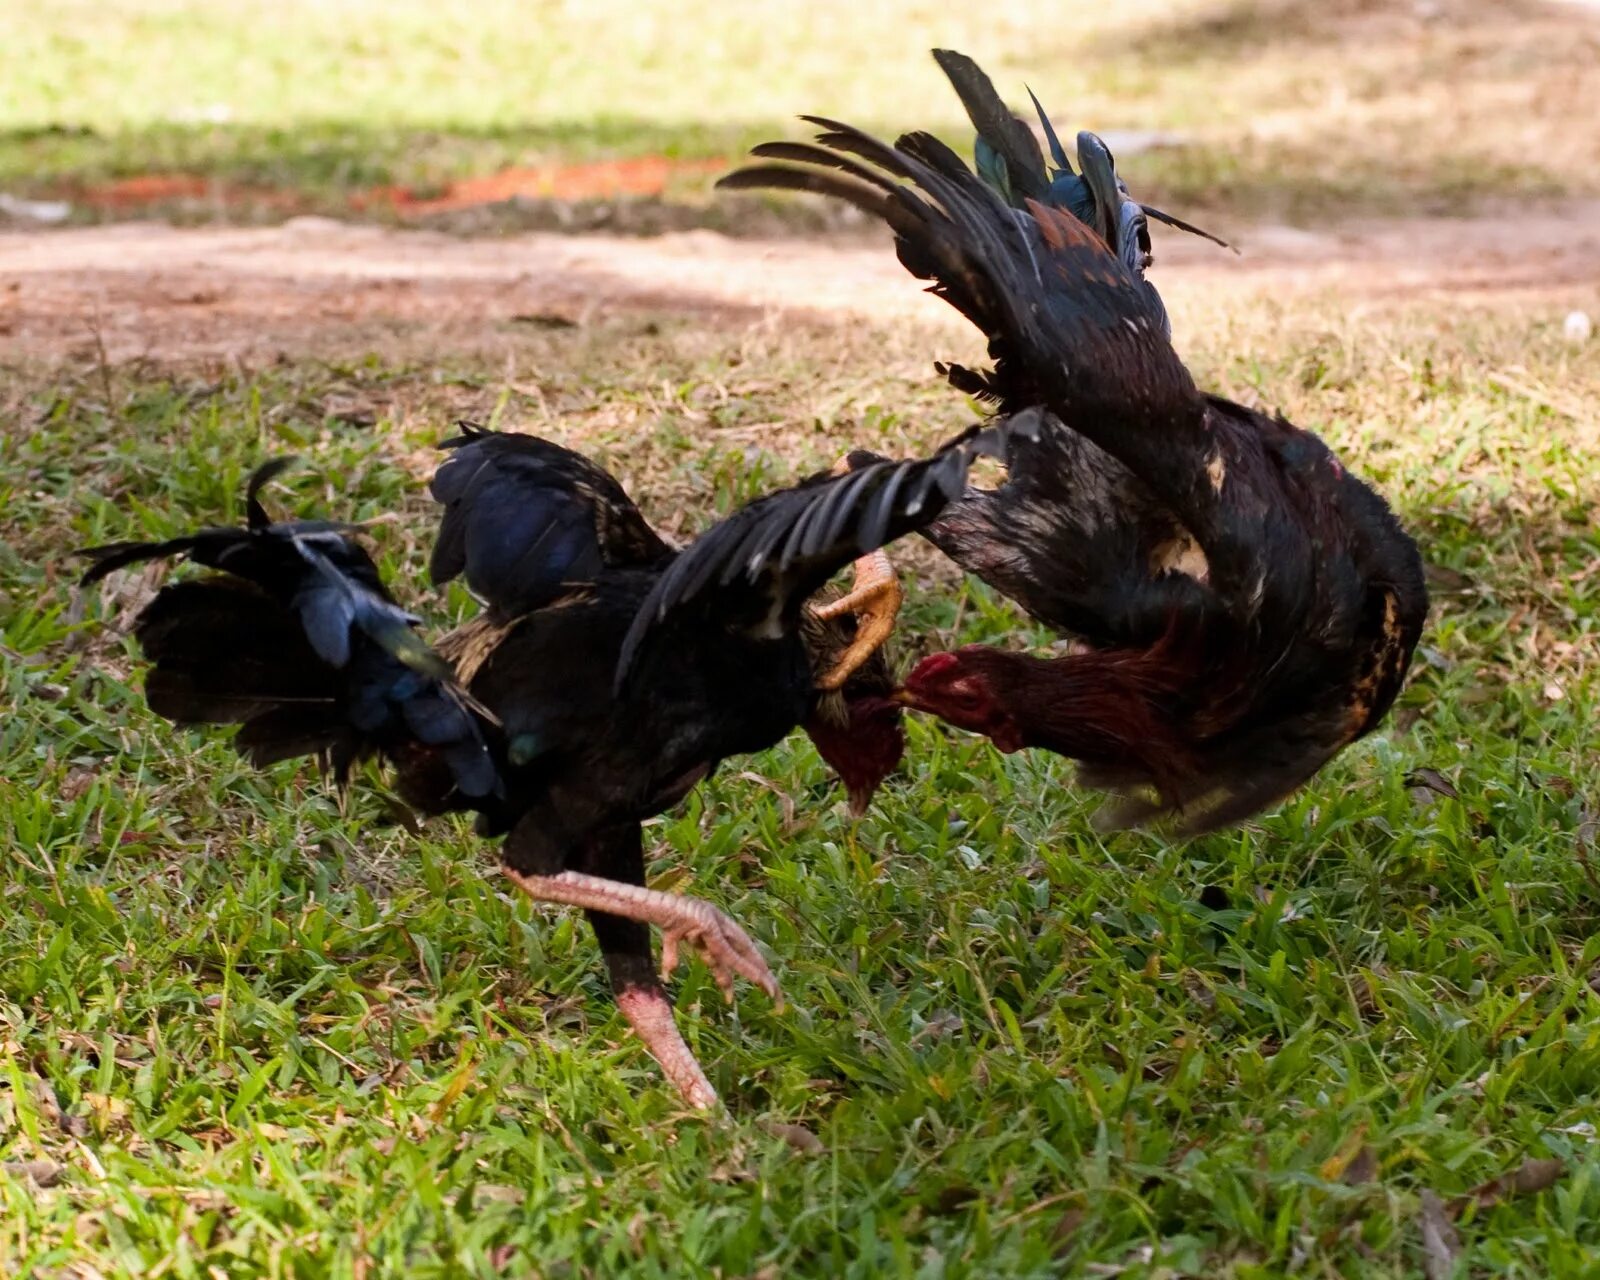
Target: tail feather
[[119, 555], [298, 642], [1001, 135]]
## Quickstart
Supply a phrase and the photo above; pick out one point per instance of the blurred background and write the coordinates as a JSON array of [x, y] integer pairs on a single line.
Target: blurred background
[[471, 114]]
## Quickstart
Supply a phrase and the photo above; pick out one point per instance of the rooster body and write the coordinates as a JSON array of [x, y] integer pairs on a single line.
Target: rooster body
[[1245, 606], [606, 675]]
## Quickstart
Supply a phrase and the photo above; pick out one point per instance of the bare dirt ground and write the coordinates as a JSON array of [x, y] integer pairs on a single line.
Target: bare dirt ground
[[318, 288]]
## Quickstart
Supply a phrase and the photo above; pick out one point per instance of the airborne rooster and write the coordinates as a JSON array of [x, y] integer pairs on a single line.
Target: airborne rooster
[[1247, 606], [605, 677]]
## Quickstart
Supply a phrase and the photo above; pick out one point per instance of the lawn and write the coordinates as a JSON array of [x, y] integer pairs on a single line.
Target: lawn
[[252, 1030], [1272, 107]]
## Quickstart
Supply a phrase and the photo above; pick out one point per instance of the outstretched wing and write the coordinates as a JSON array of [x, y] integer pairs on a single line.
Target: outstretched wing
[[1070, 327], [525, 519], [753, 571]]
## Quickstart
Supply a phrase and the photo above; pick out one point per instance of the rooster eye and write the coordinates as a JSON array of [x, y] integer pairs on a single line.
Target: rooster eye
[[966, 697]]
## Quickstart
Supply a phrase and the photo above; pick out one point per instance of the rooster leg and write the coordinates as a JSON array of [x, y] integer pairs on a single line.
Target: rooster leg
[[875, 600], [649, 1013], [723, 945]]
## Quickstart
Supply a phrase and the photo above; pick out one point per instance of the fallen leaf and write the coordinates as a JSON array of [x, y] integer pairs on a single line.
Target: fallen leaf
[[797, 1136], [496, 1193], [1199, 990], [1440, 1243], [1333, 1168], [1527, 1178], [42, 1173], [1363, 1169], [1441, 578], [109, 1112], [938, 1027], [1432, 780], [350, 411], [545, 320], [78, 780], [1066, 1227]]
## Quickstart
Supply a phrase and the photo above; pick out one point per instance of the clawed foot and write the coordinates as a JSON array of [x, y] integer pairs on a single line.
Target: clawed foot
[[874, 598], [725, 947]]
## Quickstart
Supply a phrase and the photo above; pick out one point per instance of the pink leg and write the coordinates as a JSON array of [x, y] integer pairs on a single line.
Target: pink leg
[[723, 945], [649, 1013]]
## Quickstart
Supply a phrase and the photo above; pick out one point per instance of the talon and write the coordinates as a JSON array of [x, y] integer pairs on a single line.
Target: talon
[[724, 947], [722, 944], [875, 600]]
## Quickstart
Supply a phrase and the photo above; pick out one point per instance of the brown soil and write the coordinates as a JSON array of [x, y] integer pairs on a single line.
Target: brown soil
[[315, 287]]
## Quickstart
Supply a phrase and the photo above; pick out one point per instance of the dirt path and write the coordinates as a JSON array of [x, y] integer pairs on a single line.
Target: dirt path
[[318, 287]]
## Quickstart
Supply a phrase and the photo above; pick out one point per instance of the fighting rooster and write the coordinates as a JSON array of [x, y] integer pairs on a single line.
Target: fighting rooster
[[606, 675], [1245, 606]]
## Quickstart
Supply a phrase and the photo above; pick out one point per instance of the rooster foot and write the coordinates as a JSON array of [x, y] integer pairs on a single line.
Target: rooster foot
[[649, 1013], [725, 947], [874, 598]]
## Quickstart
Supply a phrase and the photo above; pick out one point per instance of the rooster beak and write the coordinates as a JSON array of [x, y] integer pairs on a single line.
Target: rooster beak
[[860, 801], [903, 698]]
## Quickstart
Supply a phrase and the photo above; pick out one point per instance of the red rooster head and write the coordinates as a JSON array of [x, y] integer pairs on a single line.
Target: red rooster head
[[960, 688], [863, 746]]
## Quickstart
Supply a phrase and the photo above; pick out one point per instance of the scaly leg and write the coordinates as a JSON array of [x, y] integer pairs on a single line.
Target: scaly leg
[[874, 598], [649, 1013], [723, 945]]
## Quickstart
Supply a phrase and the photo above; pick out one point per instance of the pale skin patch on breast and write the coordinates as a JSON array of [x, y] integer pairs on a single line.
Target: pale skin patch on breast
[[1216, 472], [1180, 555], [1388, 661]]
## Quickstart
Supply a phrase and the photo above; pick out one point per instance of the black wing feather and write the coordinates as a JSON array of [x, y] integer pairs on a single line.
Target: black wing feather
[[526, 519], [863, 510], [996, 125]]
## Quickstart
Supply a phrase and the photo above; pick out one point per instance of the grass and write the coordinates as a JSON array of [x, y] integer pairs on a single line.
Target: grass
[[1282, 107], [250, 1031]]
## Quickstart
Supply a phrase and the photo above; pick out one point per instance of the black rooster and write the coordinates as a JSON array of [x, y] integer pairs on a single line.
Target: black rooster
[[1247, 606], [605, 677]]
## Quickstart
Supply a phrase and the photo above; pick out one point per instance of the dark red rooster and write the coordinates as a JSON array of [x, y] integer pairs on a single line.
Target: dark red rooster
[[605, 677], [1247, 607]]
